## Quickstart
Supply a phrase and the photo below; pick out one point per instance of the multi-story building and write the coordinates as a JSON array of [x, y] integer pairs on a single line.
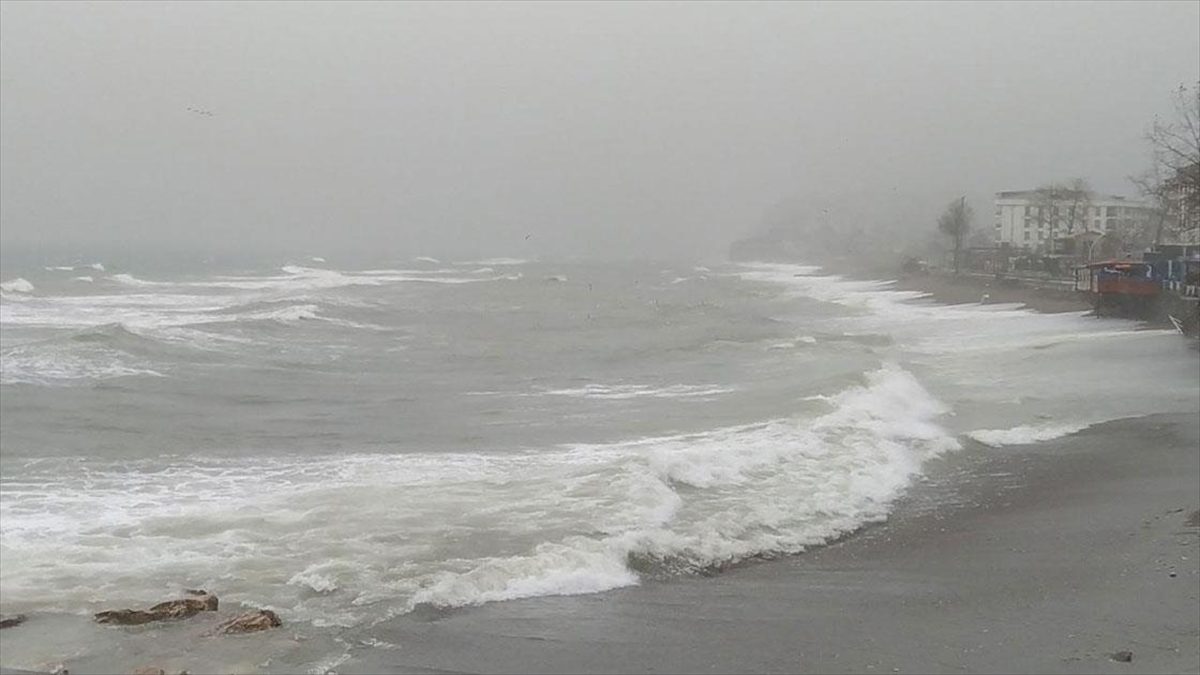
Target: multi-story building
[[1183, 203], [1035, 220]]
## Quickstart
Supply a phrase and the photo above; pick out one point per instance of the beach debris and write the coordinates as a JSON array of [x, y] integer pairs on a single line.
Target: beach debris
[[164, 611], [10, 621], [149, 670], [250, 622], [1122, 656], [60, 669]]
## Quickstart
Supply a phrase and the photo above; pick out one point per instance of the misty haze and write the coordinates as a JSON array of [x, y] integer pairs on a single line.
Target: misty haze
[[599, 337]]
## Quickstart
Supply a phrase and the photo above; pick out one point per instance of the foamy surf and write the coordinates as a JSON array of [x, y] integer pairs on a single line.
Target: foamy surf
[[1026, 433], [344, 445], [610, 513], [17, 285], [632, 391]]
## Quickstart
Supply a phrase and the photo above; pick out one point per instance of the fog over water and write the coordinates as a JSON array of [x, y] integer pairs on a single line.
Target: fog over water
[[550, 130], [371, 313]]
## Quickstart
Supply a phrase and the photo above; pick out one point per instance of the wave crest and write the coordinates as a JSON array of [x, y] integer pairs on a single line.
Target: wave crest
[[18, 285]]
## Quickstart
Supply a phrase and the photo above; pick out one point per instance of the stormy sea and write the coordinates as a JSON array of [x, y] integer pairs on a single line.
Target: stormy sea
[[344, 446]]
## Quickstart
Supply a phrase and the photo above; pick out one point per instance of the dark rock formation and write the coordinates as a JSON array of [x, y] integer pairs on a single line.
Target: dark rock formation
[[163, 611], [250, 622], [10, 621]]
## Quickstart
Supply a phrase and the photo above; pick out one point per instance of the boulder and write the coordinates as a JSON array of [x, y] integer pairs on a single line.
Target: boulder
[[10, 621], [1122, 657], [250, 622], [149, 670], [163, 611]]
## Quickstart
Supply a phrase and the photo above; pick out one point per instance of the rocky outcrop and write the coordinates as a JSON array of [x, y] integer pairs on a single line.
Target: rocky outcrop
[[250, 622], [10, 621], [170, 610]]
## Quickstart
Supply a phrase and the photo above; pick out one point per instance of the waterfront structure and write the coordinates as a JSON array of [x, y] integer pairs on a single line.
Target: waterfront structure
[[1039, 220]]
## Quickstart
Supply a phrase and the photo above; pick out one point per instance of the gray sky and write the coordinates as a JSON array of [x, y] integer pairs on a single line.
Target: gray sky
[[607, 129]]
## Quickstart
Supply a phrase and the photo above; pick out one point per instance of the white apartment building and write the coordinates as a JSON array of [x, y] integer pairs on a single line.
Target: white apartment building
[[1026, 219]]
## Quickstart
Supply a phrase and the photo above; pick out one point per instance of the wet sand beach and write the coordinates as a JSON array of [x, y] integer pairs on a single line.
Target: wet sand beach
[[1043, 558], [953, 289], [964, 289]]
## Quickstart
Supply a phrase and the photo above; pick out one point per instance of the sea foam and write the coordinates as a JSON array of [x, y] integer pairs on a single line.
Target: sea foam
[[415, 529], [1025, 434], [17, 285]]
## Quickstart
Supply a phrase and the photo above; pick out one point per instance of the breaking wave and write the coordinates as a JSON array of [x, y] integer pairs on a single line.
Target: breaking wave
[[1025, 434], [628, 391], [17, 285], [581, 519]]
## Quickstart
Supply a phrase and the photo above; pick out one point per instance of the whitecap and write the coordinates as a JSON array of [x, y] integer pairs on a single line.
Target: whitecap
[[575, 519], [1026, 434], [495, 262], [18, 285], [628, 391]]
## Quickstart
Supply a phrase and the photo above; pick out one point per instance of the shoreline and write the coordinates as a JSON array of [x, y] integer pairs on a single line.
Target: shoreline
[[950, 289], [1048, 557], [901, 565], [953, 290]]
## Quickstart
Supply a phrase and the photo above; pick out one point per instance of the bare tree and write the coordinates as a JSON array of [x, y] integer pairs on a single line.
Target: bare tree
[[1079, 203], [1157, 193], [1062, 207], [955, 222], [1174, 181]]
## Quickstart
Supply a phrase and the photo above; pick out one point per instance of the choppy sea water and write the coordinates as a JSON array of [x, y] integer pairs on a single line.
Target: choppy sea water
[[347, 445]]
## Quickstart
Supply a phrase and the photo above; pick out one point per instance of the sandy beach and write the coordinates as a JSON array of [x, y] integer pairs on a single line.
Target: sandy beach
[[959, 289], [965, 289], [1043, 558]]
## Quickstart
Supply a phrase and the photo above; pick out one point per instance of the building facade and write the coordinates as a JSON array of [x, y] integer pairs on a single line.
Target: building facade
[[1036, 220], [1183, 203]]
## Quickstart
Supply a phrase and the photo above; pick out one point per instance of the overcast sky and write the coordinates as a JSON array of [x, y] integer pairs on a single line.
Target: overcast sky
[[542, 129]]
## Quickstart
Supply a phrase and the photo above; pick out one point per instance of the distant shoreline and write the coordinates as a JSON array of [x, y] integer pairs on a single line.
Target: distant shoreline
[[954, 289]]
